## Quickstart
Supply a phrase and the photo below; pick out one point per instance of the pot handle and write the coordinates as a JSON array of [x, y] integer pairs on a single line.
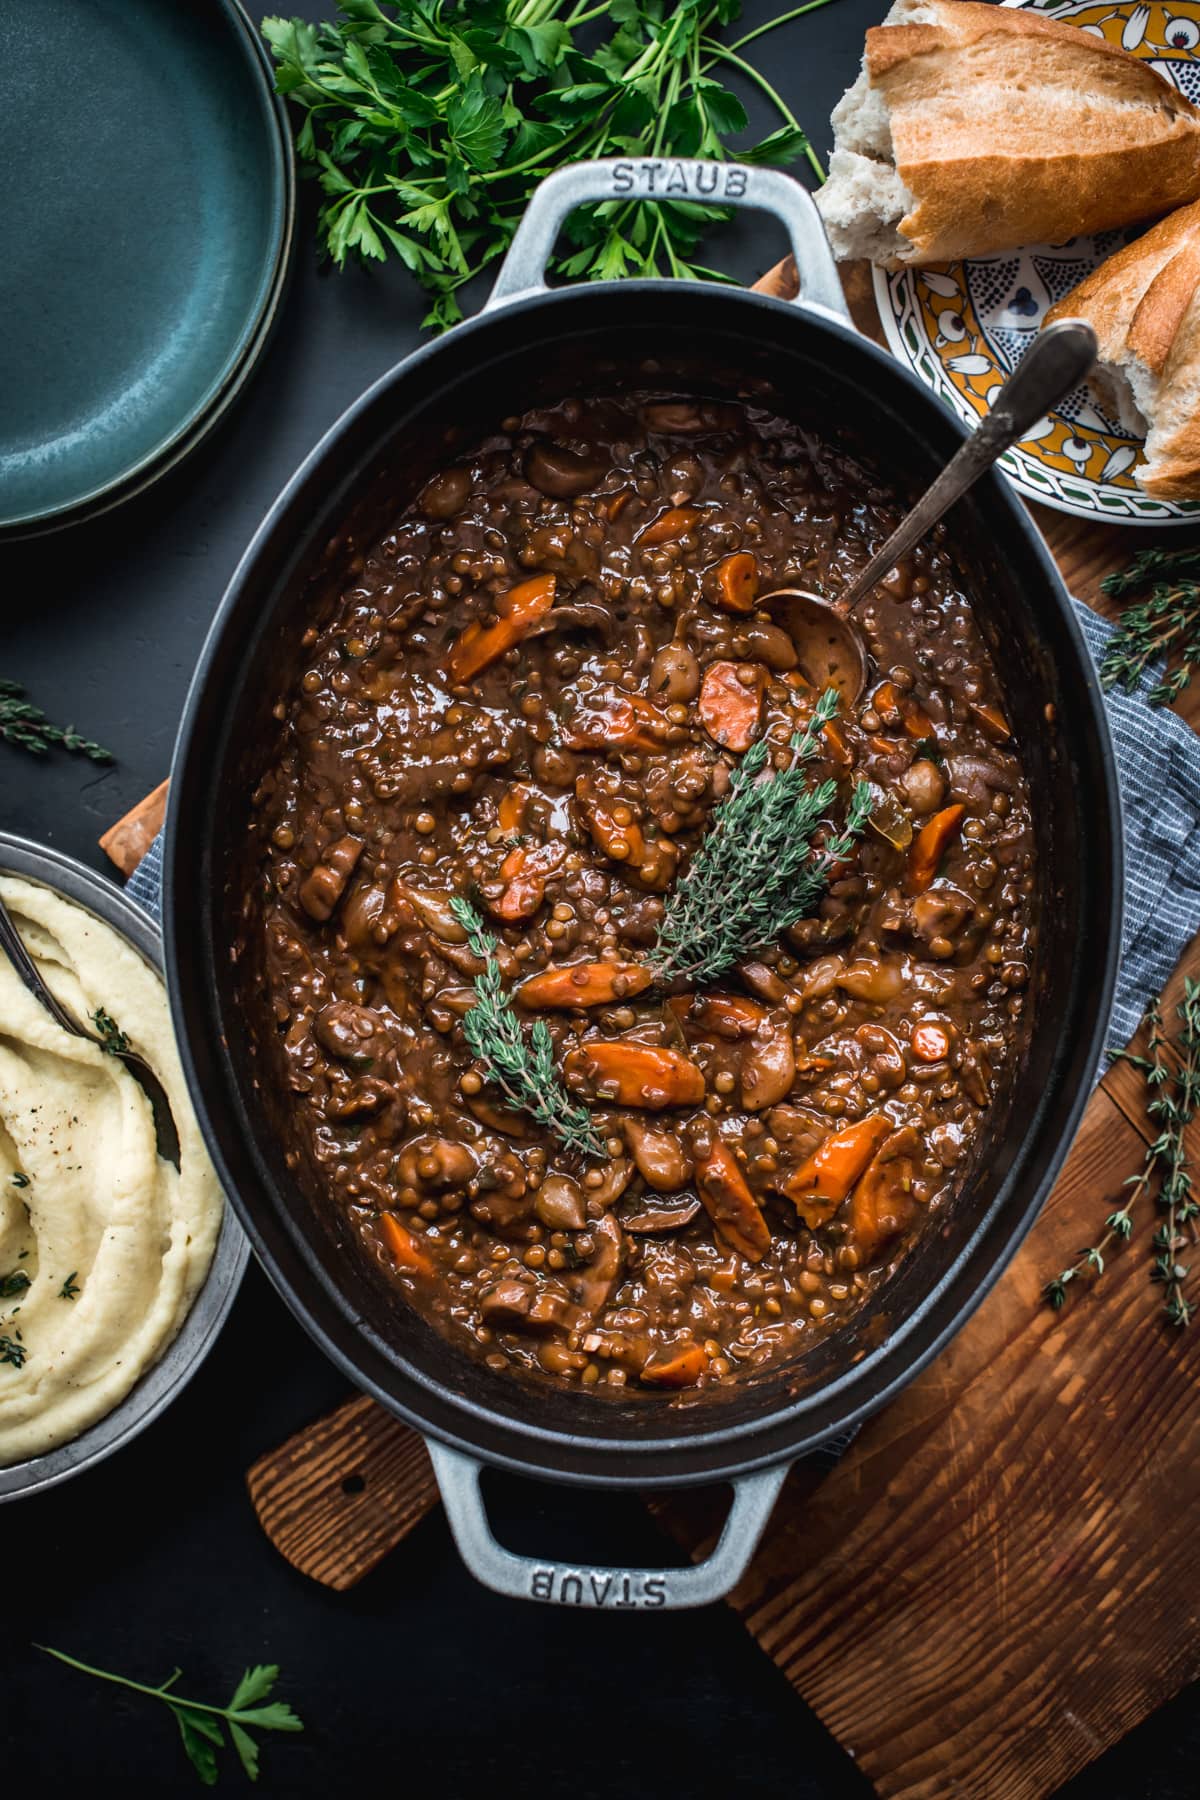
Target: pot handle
[[585, 1584], [523, 270]]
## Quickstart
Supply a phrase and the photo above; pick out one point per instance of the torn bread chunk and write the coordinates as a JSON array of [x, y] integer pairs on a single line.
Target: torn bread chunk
[[974, 128], [1144, 305]]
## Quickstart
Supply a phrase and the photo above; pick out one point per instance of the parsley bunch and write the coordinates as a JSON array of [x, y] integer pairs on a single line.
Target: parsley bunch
[[429, 123]]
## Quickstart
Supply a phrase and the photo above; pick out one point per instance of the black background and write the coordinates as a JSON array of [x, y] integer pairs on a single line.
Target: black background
[[419, 1678]]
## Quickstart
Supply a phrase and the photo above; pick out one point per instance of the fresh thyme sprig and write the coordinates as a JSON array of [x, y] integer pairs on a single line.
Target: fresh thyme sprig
[[14, 1283], [428, 124], [112, 1038], [1163, 626], [200, 1724], [753, 874], [13, 1351], [521, 1067], [26, 726], [1174, 1090]]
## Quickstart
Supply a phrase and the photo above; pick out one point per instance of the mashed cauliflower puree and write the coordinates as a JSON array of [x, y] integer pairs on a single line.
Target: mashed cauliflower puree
[[112, 1241]]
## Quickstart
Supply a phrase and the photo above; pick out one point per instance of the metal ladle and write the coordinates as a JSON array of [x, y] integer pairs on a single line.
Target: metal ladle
[[829, 645]]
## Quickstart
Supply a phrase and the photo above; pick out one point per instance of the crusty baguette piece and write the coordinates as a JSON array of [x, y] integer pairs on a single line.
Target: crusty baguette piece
[[1144, 305], [976, 128]]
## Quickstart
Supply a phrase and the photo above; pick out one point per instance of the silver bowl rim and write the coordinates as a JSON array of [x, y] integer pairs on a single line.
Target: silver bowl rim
[[154, 1391]]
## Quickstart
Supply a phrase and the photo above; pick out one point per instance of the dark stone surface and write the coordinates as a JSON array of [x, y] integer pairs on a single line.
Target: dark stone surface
[[420, 1679]]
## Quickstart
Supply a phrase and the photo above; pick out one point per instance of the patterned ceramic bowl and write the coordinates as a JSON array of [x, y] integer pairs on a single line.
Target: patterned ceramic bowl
[[963, 326]]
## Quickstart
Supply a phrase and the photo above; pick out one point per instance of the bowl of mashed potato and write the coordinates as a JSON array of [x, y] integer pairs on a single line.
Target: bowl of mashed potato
[[117, 1269]]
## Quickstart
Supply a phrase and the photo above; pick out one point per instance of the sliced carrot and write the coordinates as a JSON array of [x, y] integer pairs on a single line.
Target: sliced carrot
[[525, 872], [737, 581], [930, 845], [620, 500], [584, 984], [736, 1215], [519, 610], [883, 1203], [676, 522], [993, 721], [510, 814], [930, 1042], [406, 1251], [896, 708], [835, 740], [675, 1366], [917, 721], [729, 707], [818, 1187], [637, 1074], [886, 702], [729, 1015], [609, 719]]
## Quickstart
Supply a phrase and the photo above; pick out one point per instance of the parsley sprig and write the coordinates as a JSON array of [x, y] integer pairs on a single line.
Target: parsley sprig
[[521, 1067], [1173, 1089], [428, 124], [1163, 625], [754, 873], [200, 1724]]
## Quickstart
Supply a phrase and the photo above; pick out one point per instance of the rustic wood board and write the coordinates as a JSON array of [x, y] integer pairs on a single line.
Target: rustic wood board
[[1002, 1575], [999, 1578]]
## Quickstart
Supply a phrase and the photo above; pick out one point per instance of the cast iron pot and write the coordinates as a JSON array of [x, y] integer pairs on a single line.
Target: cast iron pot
[[530, 342]]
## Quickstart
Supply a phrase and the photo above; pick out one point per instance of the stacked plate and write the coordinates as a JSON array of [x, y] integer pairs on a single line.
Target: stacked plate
[[144, 241]]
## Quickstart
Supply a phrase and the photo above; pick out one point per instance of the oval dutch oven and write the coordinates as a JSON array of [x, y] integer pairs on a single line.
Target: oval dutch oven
[[528, 343]]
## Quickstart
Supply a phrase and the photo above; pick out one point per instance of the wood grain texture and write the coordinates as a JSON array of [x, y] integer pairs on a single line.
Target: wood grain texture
[[126, 842], [338, 1496], [1002, 1576]]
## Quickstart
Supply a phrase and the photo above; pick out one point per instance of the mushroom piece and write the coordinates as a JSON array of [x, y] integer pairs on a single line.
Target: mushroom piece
[[575, 615], [598, 1279], [661, 1160], [561, 474], [431, 907], [768, 1063], [322, 889], [435, 1163], [674, 674], [560, 1205], [656, 1221], [354, 1033]]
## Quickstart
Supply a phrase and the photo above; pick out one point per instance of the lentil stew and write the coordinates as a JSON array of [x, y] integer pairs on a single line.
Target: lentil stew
[[534, 693]]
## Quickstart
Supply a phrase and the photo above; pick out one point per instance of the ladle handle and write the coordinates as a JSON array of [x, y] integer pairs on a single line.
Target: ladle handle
[[1058, 360]]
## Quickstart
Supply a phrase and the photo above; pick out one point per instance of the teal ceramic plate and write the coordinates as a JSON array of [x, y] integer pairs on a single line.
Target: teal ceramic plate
[[144, 239]]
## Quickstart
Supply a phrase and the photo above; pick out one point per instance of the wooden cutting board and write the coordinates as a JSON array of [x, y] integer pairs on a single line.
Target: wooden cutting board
[[1001, 1576]]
